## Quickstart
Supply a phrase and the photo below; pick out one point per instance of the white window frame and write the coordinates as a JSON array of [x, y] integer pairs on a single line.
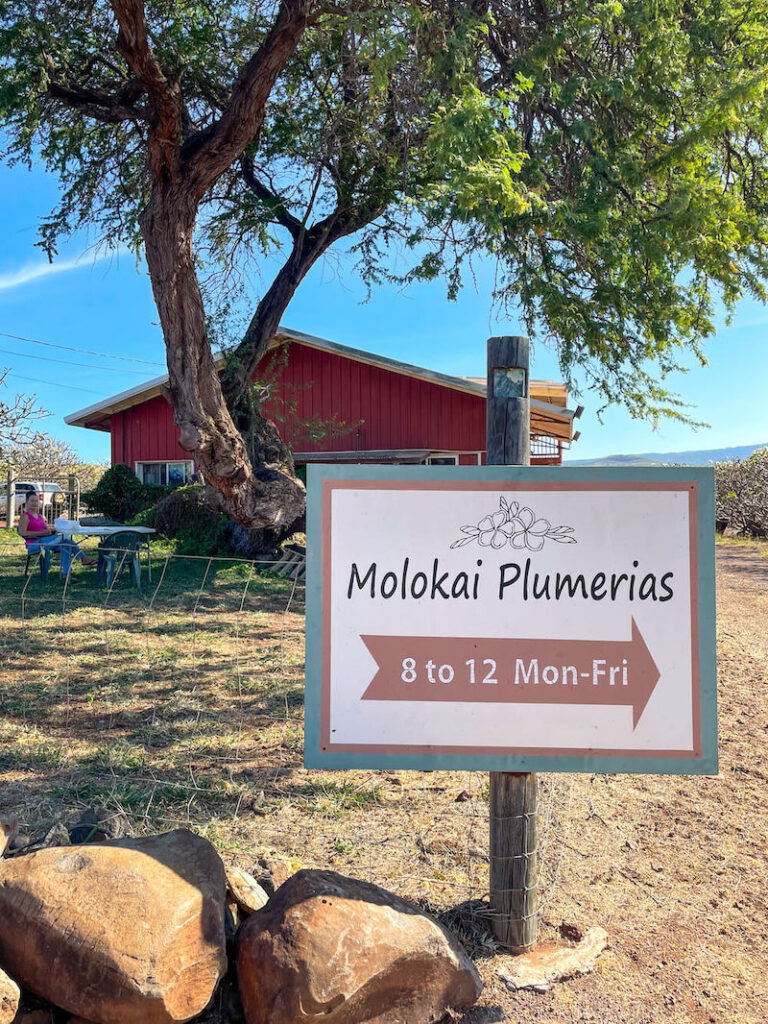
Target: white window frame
[[429, 461], [138, 466]]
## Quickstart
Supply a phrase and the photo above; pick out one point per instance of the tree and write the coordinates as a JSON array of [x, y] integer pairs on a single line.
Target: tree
[[16, 417], [42, 457], [610, 156], [741, 494]]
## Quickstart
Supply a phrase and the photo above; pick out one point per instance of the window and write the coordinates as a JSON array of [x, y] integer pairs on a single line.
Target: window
[[442, 460], [172, 474]]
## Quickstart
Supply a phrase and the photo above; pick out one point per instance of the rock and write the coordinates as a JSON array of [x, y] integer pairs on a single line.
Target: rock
[[546, 964], [9, 829], [333, 949], [56, 836], [34, 1017], [572, 932], [229, 1000], [126, 932], [273, 871], [245, 890], [232, 921], [18, 842], [98, 824], [9, 998]]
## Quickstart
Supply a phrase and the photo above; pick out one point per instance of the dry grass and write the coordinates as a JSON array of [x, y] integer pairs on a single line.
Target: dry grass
[[751, 543], [191, 713]]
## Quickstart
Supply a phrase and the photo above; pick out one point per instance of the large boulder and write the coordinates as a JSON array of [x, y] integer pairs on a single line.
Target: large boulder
[[9, 998], [333, 949], [125, 932]]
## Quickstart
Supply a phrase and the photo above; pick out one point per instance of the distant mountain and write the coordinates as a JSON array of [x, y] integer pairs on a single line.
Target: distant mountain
[[700, 458]]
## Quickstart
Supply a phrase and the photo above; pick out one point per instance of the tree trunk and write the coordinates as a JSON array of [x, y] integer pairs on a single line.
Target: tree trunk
[[266, 319], [259, 493]]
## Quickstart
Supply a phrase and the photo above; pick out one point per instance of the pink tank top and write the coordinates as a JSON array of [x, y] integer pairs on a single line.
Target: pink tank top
[[36, 524]]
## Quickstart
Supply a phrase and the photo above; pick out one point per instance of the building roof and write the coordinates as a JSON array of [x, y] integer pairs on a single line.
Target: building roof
[[549, 412]]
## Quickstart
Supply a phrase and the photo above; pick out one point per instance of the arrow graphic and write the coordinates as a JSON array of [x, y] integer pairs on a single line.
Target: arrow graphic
[[509, 670]]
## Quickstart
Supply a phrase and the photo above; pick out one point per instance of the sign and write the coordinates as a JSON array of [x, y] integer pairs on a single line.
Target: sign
[[511, 619]]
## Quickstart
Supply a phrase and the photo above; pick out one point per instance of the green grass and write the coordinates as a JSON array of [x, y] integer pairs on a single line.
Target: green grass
[[166, 683]]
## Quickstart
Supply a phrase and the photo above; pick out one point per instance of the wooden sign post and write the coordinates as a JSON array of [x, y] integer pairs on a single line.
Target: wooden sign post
[[513, 795], [512, 620]]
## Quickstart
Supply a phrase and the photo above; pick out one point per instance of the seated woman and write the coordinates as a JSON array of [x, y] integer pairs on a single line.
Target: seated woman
[[38, 535]]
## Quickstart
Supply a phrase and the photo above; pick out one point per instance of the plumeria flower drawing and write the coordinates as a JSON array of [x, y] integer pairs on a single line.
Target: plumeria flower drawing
[[511, 525]]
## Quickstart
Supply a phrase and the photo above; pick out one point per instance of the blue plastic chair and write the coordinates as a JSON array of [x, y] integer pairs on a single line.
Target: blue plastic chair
[[44, 556], [117, 551]]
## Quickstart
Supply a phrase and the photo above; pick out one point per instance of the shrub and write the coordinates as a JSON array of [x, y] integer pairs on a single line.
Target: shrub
[[144, 518], [741, 494], [184, 518], [120, 494]]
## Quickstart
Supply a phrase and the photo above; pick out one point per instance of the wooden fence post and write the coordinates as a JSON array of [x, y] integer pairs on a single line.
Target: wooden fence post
[[513, 795], [10, 500]]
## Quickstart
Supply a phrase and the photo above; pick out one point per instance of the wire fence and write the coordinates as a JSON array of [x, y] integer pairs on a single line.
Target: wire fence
[[181, 705], [58, 496]]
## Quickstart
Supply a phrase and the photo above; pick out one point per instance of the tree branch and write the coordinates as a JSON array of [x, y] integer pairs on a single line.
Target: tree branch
[[212, 152], [276, 203], [111, 108], [309, 245], [164, 94]]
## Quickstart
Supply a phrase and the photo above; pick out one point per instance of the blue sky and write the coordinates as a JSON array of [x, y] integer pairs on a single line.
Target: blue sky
[[105, 305]]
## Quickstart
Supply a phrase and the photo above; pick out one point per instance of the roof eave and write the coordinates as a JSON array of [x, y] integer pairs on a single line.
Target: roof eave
[[158, 385]]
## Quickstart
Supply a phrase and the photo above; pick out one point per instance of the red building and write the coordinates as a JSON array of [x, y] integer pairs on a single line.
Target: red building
[[338, 404]]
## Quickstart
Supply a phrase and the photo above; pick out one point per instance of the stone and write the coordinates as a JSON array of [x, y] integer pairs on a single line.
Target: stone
[[97, 824], [548, 963], [228, 999], [232, 921], [56, 836], [572, 932], [245, 890], [125, 932], [18, 842], [272, 871], [9, 830], [9, 998], [334, 949], [34, 1017]]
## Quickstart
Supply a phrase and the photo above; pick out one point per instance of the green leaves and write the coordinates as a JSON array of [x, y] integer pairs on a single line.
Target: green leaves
[[610, 157]]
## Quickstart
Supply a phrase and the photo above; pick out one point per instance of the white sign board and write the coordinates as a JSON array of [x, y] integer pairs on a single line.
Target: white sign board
[[513, 619]]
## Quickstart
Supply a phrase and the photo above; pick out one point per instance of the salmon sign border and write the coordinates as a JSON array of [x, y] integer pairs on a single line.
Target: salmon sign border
[[515, 525]]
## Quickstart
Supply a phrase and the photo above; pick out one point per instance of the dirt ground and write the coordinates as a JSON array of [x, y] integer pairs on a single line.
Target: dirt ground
[[190, 712], [674, 868]]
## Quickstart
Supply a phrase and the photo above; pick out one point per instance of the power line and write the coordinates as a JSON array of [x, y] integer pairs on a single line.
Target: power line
[[82, 351], [52, 383], [70, 362]]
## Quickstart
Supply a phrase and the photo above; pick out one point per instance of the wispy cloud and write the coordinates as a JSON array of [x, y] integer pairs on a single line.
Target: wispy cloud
[[37, 271]]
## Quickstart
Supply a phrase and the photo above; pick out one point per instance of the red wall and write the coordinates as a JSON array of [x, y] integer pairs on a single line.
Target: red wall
[[388, 410], [396, 411], [145, 432]]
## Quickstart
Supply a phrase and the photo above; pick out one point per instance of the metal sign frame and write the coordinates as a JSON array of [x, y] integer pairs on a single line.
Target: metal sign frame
[[699, 481]]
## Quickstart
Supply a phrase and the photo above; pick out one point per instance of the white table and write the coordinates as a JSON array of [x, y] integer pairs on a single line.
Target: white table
[[70, 528]]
